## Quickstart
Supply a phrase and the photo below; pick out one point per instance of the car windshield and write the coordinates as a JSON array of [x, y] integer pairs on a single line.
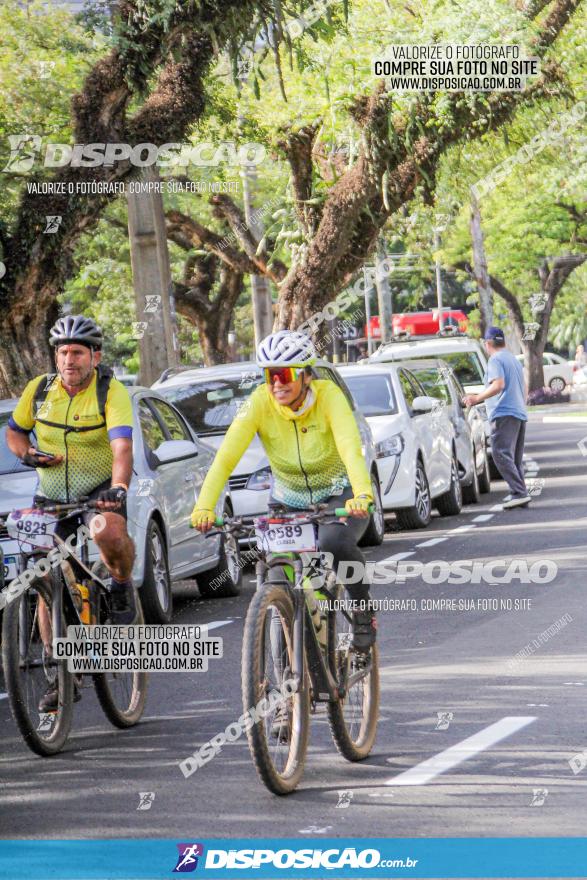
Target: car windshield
[[373, 394], [9, 463], [466, 365], [210, 405]]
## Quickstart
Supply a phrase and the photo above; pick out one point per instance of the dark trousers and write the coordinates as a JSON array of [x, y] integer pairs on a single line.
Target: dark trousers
[[507, 446], [342, 542]]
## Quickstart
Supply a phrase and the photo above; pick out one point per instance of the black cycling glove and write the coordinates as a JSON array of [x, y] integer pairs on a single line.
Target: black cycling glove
[[113, 495]]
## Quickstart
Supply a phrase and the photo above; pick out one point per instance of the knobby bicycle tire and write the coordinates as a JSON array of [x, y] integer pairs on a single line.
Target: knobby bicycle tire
[[23, 699], [254, 691]]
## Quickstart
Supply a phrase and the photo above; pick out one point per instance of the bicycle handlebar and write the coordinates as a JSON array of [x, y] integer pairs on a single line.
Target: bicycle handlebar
[[311, 516]]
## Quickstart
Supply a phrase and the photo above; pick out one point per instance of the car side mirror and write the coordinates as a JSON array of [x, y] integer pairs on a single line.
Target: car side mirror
[[423, 404], [174, 450]]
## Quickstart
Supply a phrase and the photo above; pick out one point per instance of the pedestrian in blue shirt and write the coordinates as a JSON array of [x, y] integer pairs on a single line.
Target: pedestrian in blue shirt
[[505, 399]]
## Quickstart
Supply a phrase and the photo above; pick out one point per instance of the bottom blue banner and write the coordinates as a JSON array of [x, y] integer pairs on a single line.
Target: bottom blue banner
[[271, 858]]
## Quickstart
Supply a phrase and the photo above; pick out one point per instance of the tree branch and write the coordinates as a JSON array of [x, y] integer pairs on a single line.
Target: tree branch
[[298, 147]]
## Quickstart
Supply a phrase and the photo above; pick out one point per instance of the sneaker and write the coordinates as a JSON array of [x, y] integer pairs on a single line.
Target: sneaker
[[280, 724], [49, 702], [123, 606], [516, 502], [364, 631]]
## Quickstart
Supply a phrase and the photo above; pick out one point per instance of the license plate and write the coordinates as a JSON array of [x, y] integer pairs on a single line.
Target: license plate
[[9, 568], [287, 537], [32, 527]]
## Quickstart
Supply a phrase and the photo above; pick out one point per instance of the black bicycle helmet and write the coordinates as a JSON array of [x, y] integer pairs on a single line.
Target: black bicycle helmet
[[76, 328]]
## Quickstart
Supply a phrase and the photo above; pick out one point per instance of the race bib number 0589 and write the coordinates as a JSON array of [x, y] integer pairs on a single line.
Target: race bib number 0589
[[287, 537]]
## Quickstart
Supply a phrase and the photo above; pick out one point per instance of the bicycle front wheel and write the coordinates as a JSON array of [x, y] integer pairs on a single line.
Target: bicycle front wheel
[[31, 672], [122, 695], [278, 735], [353, 718]]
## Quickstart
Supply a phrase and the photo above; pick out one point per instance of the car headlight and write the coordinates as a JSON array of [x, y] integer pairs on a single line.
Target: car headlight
[[260, 479], [391, 446]]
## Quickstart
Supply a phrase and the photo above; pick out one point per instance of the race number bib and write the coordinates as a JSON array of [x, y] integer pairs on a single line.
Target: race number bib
[[32, 527], [286, 537]]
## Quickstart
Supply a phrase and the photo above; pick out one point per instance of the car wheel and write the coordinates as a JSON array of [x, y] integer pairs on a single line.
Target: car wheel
[[418, 516], [557, 384], [471, 492], [226, 578], [156, 596], [375, 531], [485, 475], [451, 502]]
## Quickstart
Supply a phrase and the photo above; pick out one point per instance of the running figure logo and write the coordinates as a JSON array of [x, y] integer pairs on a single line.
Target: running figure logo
[[188, 857]]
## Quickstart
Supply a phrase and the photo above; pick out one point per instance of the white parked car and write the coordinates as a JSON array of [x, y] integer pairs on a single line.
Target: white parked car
[[209, 398], [466, 357], [438, 380], [414, 440], [170, 464], [558, 373]]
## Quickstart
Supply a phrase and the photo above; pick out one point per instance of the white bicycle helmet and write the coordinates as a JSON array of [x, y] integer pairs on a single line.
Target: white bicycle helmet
[[286, 348]]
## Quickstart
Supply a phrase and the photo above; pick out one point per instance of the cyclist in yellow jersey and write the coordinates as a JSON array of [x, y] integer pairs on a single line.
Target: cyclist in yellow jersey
[[89, 452], [313, 444]]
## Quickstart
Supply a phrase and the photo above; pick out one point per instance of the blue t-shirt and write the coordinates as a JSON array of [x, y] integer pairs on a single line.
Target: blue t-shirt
[[510, 401]]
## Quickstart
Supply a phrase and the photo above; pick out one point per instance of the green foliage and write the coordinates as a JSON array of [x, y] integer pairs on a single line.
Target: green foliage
[[43, 63]]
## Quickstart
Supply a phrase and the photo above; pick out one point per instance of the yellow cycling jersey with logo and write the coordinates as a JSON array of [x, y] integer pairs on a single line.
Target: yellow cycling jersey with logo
[[87, 454], [313, 454]]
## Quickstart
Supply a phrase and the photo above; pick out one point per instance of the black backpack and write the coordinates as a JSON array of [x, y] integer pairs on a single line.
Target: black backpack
[[103, 380]]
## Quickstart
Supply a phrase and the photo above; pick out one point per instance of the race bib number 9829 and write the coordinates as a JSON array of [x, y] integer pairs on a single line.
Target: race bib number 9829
[[32, 527]]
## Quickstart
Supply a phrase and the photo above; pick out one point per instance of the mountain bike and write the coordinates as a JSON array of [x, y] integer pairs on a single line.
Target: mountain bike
[[73, 594], [300, 637]]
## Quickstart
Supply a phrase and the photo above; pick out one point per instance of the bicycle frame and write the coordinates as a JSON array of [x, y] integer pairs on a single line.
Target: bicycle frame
[[306, 644], [64, 608]]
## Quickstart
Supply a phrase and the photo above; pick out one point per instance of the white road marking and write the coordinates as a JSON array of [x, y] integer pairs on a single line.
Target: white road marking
[[216, 623], [563, 419], [3, 696], [431, 542], [397, 556], [461, 529], [483, 517], [427, 770], [496, 507]]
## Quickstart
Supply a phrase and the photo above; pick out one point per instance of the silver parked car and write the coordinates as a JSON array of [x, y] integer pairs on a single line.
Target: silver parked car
[[170, 463], [439, 380], [209, 398]]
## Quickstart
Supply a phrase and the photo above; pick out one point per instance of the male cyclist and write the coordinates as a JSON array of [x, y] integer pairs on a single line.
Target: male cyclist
[[89, 452], [314, 448]]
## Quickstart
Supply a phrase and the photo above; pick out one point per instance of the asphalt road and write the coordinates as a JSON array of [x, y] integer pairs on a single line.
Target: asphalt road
[[526, 714]]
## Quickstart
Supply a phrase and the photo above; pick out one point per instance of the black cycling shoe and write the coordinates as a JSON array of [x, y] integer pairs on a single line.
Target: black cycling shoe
[[49, 702], [123, 606], [364, 631]]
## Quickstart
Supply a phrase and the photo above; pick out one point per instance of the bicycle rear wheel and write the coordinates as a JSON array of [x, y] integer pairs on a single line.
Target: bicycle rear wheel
[[278, 740], [122, 695], [30, 669], [353, 719]]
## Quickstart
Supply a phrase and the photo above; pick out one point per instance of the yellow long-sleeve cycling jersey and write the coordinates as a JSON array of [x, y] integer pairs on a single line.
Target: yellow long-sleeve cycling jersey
[[314, 453]]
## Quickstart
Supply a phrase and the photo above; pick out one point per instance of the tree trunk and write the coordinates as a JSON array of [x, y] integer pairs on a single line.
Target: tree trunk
[[480, 267], [211, 317], [533, 366]]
